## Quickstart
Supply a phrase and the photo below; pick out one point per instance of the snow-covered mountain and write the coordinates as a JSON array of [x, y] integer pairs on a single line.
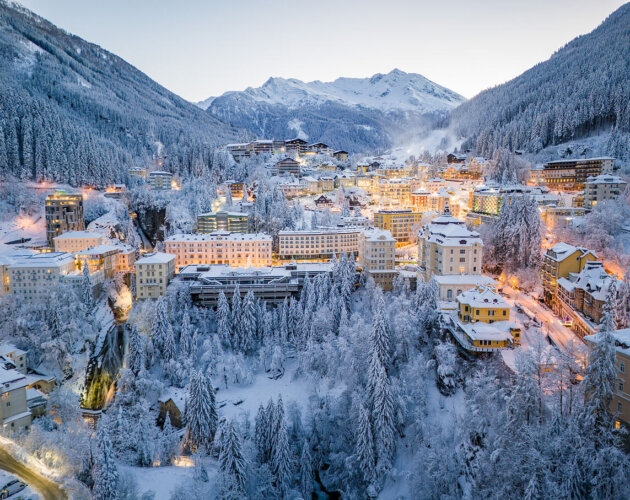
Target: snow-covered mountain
[[350, 113]]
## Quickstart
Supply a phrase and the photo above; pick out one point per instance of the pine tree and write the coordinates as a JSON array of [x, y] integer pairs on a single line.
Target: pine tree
[[169, 441], [364, 448], [281, 458], [200, 413], [160, 324], [237, 311], [169, 344], [601, 374], [86, 288], [382, 411], [231, 461], [105, 472], [306, 471], [248, 323], [145, 441], [185, 336], [261, 435], [224, 320], [136, 351], [380, 341]]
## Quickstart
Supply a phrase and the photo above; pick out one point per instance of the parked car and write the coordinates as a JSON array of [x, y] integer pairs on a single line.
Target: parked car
[[11, 488]]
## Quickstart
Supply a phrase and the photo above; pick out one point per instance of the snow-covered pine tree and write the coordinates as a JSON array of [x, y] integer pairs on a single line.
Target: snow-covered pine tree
[[185, 336], [169, 442], [236, 318], [380, 340], [86, 288], [383, 414], [248, 323], [145, 440], [168, 351], [104, 472], [228, 198], [200, 413], [306, 471], [281, 462], [261, 435], [231, 461], [224, 320], [364, 447], [135, 360], [601, 375], [160, 324]]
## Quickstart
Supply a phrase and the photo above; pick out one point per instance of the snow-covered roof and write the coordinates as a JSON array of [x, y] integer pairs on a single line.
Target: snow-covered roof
[[7, 349], [482, 297], [99, 250], [229, 214], [464, 279], [581, 160], [561, 251], [160, 172], [621, 337], [593, 279], [50, 259], [75, 235], [378, 235], [156, 258], [497, 331], [219, 236], [309, 232], [11, 379], [605, 179]]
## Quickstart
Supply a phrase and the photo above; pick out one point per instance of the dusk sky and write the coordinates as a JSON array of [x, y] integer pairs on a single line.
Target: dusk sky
[[200, 48]]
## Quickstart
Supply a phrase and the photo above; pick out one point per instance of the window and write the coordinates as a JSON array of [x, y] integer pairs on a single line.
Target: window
[[622, 367], [619, 407], [620, 387]]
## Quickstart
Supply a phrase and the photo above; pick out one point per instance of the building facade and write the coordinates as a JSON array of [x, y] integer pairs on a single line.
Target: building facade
[[234, 222], [321, 244], [64, 212], [560, 261], [572, 174], [399, 223], [160, 180], [76, 241], [153, 273], [221, 247], [288, 166], [602, 187]]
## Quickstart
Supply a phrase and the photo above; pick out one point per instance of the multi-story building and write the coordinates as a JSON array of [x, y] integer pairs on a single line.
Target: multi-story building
[[451, 254], [236, 189], [620, 403], [326, 184], [345, 178], [377, 252], [353, 221], [560, 217], [269, 284], [160, 180], [138, 173], [319, 148], [296, 146], [125, 259], [33, 277], [7, 258], [64, 212], [98, 258], [395, 189], [572, 174], [234, 222], [76, 241], [483, 321], [320, 244], [400, 223], [294, 189], [341, 155], [240, 150], [580, 298], [602, 187], [394, 171], [14, 412], [153, 273], [436, 184], [221, 247], [560, 261], [288, 166]]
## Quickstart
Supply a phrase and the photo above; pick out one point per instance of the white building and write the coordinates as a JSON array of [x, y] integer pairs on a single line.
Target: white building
[[153, 273], [602, 187], [76, 241], [34, 276], [14, 412], [220, 247], [377, 250], [320, 244]]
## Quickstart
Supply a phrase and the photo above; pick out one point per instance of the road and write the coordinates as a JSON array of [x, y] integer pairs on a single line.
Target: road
[[44, 487], [562, 336]]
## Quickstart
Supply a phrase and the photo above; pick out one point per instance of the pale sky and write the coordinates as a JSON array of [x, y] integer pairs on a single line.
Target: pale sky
[[202, 48]]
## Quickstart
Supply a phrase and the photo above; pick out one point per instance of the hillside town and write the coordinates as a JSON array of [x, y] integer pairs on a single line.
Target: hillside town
[[480, 242]]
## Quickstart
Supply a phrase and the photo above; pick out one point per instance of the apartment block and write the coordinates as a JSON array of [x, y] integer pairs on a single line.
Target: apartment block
[[153, 273], [288, 166], [395, 189], [76, 241], [560, 261], [14, 412], [399, 223], [321, 244], [221, 247], [602, 187], [33, 277], [64, 212], [234, 222], [377, 254], [160, 180], [572, 174]]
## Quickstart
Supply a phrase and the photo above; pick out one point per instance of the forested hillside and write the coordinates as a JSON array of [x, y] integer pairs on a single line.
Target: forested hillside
[[582, 90], [73, 112]]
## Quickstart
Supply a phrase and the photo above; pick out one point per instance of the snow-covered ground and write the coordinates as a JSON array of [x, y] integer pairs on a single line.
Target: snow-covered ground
[[28, 492]]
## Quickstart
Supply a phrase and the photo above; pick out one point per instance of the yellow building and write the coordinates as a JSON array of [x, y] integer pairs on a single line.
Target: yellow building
[[321, 244], [153, 273], [620, 404], [558, 262], [160, 180], [395, 189], [482, 304], [377, 252], [399, 223]]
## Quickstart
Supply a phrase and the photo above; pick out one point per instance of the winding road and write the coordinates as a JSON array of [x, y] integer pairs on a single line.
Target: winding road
[[44, 487]]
